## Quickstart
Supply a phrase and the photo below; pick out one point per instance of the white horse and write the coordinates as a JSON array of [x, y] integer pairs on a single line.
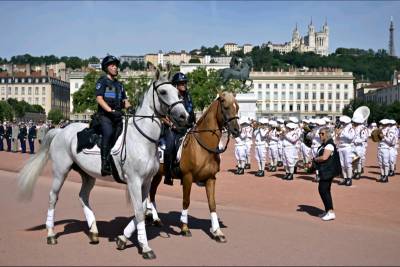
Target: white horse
[[142, 163]]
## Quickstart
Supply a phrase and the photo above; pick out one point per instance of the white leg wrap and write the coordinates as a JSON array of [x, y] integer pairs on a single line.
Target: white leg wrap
[[184, 216], [129, 229], [386, 170], [349, 172], [262, 165], [89, 216], [291, 169], [50, 219], [214, 221], [154, 211], [142, 237]]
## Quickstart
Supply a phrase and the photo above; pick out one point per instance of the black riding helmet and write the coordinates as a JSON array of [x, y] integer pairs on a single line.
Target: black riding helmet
[[107, 61], [179, 77]]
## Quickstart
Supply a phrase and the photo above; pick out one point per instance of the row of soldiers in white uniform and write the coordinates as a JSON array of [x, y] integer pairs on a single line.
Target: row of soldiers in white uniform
[[284, 143]]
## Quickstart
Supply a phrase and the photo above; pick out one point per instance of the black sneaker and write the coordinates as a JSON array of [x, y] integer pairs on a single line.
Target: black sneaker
[[260, 173], [239, 171], [290, 177], [348, 182], [286, 176], [343, 182]]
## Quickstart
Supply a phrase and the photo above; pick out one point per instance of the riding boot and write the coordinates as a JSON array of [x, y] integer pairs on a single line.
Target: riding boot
[[105, 161], [167, 174]]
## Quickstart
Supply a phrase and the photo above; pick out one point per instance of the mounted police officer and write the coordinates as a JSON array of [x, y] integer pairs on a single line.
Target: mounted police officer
[[111, 99], [172, 133]]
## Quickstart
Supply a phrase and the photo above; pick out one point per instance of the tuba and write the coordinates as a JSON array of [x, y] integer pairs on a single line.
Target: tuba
[[362, 112]]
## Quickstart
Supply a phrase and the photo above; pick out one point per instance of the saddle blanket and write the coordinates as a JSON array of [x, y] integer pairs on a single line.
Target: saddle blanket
[[114, 151], [161, 150]]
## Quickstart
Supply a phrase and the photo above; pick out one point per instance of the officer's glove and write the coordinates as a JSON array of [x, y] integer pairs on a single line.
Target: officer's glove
[[131, 110], [117, 114]]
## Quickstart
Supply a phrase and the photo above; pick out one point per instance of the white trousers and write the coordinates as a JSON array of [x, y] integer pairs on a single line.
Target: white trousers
[[261, 152], [273, 154], [384, 159], [360, 150], [240, 152], [290, 156], [346, 159], [305, 152]]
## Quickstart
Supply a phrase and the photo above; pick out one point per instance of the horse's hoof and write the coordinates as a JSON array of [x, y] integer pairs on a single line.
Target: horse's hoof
[[94, 238], [121, 244], [51, 240], [149, 255], [186, 233], [158, 223], [220, 239]]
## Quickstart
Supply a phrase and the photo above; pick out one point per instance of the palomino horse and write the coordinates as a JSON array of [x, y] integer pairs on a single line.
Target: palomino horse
[[140, 165], [200, 159]]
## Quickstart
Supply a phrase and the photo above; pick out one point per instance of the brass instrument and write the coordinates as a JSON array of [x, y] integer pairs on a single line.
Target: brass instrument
[[377, 135]]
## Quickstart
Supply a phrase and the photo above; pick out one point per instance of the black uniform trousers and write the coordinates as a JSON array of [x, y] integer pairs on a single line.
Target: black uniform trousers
[[324, 189], [171, 139], [110, 128], [23, 144], [8, 141], [1, 143], [31, 142]]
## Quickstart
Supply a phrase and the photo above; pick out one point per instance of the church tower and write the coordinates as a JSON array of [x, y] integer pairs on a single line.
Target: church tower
[[391, 39], [295, 37], [311, 35], [325, 30]]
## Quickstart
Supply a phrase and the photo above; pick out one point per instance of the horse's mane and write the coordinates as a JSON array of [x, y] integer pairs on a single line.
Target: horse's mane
[[206, 112]]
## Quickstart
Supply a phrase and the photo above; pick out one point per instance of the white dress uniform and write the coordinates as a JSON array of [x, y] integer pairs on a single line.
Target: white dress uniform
[[360, 145], [280, 146], [241, 149], [273, 140], [388, 141], [249, 141], [345, 148], [289, 143], [393, 149], [260, 135], [304, 149]]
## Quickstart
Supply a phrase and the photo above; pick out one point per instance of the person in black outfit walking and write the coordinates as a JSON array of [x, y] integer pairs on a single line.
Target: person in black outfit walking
[[32, 137], [328, 165], [111, 99], [22, 136], [8, 136], [2, 130]]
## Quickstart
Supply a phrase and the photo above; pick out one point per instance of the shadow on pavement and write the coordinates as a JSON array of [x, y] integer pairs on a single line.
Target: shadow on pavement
[[311, 210]]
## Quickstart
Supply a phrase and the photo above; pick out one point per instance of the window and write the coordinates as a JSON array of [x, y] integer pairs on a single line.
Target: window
[[329, 107], [305, 107], [3, 91], [259, 95], [9, 80], [267, 95], [330, 86], [275, 107], [283, 86], [337, 107], [283, 95], [259, 85], [43, 90], [258, 106], [338, 95], [267, 107], [298, 86], [321, 95], [298, 95], [22, 90], [283, 107], [16, 80], [291, 86], [314, 107], [322, 86], [314, 86], [36, 80], [298, 107], [346, 95], [314, 95], [2, 81], [291, 95], [329, 95], [29, 80], [321, 107], [16, 90], [275, 86], [36, 90], [337, 86], [291, 107], [36, 100], [306, 95], [346, 86], [306, 86], [9, 90], [23, 80], [267, 86], [275, 95], [43, 80], [29, 90]]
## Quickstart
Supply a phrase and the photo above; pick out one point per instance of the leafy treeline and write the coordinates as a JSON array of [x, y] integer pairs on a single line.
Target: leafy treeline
[[378, 111], [365, 64], [13, 108]]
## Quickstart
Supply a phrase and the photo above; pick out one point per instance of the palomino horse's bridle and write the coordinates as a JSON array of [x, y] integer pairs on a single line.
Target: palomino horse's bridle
[[225, 125]]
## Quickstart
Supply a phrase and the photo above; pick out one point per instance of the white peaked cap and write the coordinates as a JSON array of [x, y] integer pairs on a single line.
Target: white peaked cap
[[373, 124], [305, 120], [273, 123], [294, 119], [384, 121], [392, 121], [358, 119], [327, 119], [345, 119], [291, 125], [243, 120], [320, 122], [280, 120], [263, 120]]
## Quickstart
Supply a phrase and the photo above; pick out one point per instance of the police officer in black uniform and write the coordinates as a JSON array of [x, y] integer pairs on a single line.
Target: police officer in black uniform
[[111, 99], [32, 137], [1, 136], [22, 137], [8, 136], [173, 133]]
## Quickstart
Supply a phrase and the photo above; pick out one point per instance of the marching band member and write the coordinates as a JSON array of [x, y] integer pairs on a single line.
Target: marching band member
[[273, 139], [316, 141], [290, 155], [298, 144], [249, 141], [388, 140], [360, 144], [260, 134], [280, 128], [305, 145], [393, 149], [240, 147], [344, 140]]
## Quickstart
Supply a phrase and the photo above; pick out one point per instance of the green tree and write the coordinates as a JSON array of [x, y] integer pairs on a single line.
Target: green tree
[[194, 60], [6, 111], [55, 115], [85, 98], [36, 109], [136, 87]]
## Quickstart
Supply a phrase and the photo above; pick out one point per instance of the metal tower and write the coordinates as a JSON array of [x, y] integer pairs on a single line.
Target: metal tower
[[391, 39]]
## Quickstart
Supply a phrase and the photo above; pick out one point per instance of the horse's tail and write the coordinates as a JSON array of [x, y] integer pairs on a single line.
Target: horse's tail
[[27, 177]]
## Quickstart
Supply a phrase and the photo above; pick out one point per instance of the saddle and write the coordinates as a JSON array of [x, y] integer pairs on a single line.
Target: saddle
[[177, 159], [89, 142]]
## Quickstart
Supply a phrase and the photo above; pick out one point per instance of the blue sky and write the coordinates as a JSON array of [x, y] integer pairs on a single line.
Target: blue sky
[[86, 28]]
